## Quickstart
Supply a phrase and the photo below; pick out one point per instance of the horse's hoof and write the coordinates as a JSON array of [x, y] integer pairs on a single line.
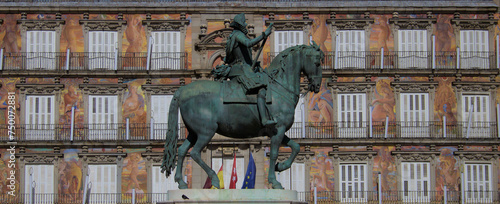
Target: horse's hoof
[[277, 186], [183, 186]]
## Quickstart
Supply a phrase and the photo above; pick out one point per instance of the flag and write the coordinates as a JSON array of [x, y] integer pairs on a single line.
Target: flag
[[220, 175], [234, 175], [249, 182], [208, 183]]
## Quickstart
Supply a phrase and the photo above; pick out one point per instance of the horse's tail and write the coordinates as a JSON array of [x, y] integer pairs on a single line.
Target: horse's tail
[[170, 152]]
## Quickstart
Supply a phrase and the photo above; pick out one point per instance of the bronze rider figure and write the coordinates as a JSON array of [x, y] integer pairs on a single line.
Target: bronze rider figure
[[239, 58]]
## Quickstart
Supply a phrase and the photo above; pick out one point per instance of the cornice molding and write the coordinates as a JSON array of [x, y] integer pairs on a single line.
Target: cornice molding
[[165, 25], [303, 156], [478, 155], [39, 88], [474, 24], [103, 25], [155, 157], [414, 86], [352, 86], [102, 88], [300, 24], [28, 24], [416, 155], [353, 155], [102, 158], [475, 86], [350, 24], [160, 89], [39, 158], [413, 23]]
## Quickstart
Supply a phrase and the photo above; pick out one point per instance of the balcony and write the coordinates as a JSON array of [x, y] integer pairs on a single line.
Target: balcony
[[299, 130], [378, 60], [94, 61], [361, 197], [91, 132]]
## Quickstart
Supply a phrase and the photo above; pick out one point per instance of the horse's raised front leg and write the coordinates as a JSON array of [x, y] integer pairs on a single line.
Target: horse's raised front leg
[[295, 151], [202, 141], [183, 149], [275, 145]]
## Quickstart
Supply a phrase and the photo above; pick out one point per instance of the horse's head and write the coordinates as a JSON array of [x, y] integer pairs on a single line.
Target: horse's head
[[312, 67]]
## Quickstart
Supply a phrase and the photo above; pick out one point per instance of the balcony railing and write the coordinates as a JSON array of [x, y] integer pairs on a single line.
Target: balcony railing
[[330, 130], [95, 61], [91, 132], [393, 197], [406, 60]]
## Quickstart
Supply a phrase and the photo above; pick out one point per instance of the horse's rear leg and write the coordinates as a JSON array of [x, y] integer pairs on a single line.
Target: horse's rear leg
[[295, 151], [201, 142], [183, 149]]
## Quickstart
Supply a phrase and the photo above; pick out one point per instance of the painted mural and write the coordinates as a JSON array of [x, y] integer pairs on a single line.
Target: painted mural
[[321, 174]]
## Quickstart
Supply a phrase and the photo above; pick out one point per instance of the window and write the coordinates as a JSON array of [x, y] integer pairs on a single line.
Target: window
[[415, 180], [414, 114], [166, 50], [293, 178], [162, 184], [351, 49], [353, 183], [103, 50], [286, 39], [296, 130], [412, 49], [476, 114], [228, 168], [478, 183], [40, 117], [352, 115], [41, 50], [103, 117], [104, 184], [474, 49], [159, 108], [43, 177]]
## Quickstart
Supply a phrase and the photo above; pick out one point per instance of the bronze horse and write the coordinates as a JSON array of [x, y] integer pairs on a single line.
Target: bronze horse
[[205, 114]]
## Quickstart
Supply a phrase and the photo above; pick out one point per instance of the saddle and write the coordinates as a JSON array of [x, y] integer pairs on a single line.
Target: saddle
[[233, 92]]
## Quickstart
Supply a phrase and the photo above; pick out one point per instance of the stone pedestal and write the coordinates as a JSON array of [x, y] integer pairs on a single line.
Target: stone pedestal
[[224, 196]]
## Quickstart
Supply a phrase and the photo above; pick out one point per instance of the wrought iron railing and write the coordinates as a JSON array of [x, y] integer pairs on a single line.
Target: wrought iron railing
[[91, 132], [310, 130], [361, 197], [406, 60], [95, 61]]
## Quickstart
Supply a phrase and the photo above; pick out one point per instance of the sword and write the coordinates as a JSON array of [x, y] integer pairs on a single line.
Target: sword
[[260, 50]]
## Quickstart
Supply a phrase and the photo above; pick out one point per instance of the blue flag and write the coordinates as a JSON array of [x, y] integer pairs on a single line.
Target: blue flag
[[249, 182]]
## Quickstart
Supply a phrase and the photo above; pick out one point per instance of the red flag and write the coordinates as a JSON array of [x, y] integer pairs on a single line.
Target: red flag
[[208, 183], [234, 176]]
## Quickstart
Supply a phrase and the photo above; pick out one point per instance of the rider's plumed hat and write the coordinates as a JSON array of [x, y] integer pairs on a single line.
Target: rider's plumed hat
[[239, 21]]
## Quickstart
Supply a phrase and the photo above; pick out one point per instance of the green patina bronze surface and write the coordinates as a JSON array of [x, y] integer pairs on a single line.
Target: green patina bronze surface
[[205, 113]]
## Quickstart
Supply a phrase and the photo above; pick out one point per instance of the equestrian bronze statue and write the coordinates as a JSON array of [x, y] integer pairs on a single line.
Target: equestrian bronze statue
[[254, 102]]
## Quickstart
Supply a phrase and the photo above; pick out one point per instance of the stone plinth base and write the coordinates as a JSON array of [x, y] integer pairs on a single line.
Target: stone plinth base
[[224, 196]]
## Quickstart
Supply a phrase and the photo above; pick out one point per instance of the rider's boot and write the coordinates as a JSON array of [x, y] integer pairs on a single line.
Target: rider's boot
[[265, 116]]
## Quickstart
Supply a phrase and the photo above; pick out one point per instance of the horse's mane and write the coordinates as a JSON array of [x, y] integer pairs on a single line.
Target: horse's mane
[[278, 65]]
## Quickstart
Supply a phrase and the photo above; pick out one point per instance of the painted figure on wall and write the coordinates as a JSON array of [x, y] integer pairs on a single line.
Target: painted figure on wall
[[322, 171], [70, 176], [133, 106], [134, 173], [383, 105], [11, 41], [320, 106], [319, 31], [445, 102], [448, 170], [383, 31], [444, 33], [72, 34]]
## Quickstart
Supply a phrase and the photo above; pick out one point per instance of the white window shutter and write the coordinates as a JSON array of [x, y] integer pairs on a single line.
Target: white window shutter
[[352, 115], [41, 48], [414, 108], [102, 49], [353, 182], [478, 183], [351, 49], [415, 180], [162, 184], [160, 105], [166, 52], [481, 107], [40, 119], [295, 130], [103, 117], [412, 49], [103, 178], [298, 177], [474, 49], [280, 41], [43, 175], [284, 178]]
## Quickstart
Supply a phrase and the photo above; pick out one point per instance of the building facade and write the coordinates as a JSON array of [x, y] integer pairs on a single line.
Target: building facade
[[408, 108]]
